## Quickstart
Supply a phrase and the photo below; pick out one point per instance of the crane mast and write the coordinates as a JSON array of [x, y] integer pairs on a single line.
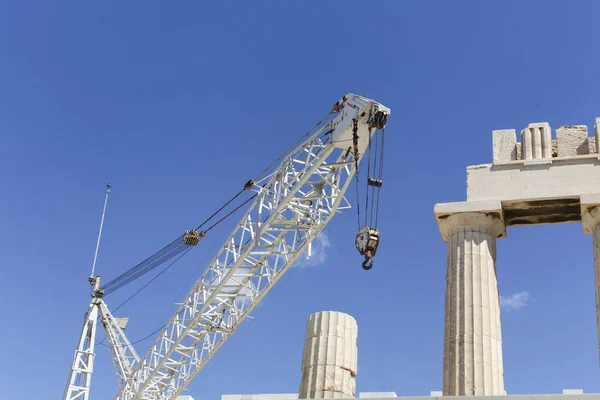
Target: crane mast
[[78, 384], [292, 205]]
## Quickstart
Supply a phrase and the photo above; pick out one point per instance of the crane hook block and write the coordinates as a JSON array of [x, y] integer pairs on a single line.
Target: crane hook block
[[366, 243], [192, 238]]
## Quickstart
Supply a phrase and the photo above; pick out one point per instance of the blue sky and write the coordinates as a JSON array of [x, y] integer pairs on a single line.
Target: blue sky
[[178, 103]]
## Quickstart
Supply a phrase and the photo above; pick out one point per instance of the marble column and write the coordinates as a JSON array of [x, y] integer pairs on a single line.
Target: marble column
[[329, 359], [590, 218], [472, 334]]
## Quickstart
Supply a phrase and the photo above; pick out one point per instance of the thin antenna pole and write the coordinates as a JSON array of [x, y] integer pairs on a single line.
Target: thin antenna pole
[[92, 279]]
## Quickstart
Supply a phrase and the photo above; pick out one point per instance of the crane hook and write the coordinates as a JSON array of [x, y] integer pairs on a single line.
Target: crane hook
[[366, 243]]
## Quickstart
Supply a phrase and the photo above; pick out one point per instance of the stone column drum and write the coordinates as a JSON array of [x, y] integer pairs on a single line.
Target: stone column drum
[[330, 356], [472, 335]]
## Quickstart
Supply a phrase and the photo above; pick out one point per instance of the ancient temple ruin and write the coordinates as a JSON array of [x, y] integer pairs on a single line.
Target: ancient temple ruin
[[537, 180]]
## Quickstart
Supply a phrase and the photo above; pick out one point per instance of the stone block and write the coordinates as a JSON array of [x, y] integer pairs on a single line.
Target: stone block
[[518, 150], [373, 395], [330, 350], [572, 140], [572, 391], [323, 379], [592, 148], [331, 323], [486, 214], [562, 179], [504, 145], [536, 141], [597, 134]]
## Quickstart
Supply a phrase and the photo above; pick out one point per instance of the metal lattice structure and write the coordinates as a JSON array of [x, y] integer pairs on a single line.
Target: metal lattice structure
[[123, 354], [293, 204], [78, 385]]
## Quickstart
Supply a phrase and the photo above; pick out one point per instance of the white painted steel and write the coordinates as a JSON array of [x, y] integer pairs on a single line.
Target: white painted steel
[[78, 384], [293, 205], [124, 356]]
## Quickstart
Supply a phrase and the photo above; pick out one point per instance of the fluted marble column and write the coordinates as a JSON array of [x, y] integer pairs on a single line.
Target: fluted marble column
[[590, 218], [329, 359], [473, 362]]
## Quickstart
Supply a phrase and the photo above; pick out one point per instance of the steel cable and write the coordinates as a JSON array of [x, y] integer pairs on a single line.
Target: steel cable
[[380, 174], [177, 246], [166, 253], [373, 186], [259, 176]]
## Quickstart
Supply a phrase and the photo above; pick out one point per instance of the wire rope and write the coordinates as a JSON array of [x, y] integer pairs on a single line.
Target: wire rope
[[172, 250]]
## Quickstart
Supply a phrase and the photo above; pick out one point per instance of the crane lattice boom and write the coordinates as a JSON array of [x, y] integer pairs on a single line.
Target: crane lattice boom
[[293, 203], [123, 354]]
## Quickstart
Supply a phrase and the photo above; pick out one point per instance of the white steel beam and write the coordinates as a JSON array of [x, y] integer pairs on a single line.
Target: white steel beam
[[78, 384], [293, 205], [124, 356]]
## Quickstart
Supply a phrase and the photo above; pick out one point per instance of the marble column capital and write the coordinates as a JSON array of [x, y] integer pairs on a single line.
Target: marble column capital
[[485, 214], [590, 211]]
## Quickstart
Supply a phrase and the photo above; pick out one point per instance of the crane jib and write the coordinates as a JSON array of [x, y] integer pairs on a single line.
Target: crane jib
[[210, 314], [291, 205]]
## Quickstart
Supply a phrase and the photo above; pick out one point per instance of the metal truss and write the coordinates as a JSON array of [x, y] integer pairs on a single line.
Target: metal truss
[[293, 204], [78, 385], [124, 356]]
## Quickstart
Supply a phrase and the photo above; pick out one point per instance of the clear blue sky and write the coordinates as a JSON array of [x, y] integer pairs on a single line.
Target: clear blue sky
[[177, 104]]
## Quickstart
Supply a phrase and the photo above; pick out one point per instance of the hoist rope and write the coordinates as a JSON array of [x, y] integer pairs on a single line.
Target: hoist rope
[[260, 176], [152, 280], [220, 209], [178, 246], [373, 187], [355, 153], [231, 212], [368, 176], [380, 174], [148, 283], [166, 253], [375, 173], [137, 292], [357, 200]]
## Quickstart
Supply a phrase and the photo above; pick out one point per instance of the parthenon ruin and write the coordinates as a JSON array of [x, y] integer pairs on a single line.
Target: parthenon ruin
[[539, 180]]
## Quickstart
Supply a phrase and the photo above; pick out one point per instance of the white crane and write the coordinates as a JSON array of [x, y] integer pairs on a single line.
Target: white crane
[[291, 205]]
